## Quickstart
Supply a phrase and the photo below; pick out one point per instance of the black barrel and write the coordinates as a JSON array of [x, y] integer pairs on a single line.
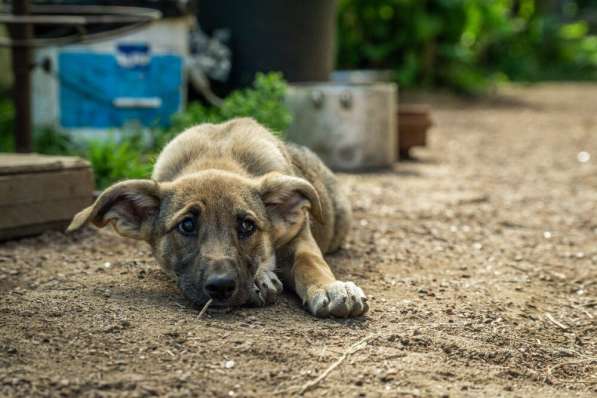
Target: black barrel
[[296, 37]]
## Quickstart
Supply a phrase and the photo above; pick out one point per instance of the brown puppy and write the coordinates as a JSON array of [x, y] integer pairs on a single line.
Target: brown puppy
[[228, 210]]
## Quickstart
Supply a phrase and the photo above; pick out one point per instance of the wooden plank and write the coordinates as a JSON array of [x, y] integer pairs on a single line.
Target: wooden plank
[[39, 187], [15, 163], [42, 212], [30, 230], [39, 192]]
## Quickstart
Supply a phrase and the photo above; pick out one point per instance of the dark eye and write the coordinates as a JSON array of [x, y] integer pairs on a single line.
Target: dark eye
[[188, 226], [246, 228]]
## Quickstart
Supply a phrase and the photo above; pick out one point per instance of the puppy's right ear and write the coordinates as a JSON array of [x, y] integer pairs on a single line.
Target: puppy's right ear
[[130, 206]]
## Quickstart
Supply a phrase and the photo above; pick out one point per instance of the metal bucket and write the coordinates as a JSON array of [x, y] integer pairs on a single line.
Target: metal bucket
[[352, 127]]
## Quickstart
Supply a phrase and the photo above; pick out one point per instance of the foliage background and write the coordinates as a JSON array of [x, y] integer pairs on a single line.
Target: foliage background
[[468, 45]]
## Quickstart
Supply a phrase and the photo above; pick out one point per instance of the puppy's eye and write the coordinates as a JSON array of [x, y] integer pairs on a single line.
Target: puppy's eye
[[246, 228], [188, 226]]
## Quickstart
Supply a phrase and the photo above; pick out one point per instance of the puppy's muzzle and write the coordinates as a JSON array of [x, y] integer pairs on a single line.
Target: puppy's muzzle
[[222, 283]]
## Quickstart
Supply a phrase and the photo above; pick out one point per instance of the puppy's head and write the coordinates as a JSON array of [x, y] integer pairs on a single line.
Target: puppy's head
[[210, 230]]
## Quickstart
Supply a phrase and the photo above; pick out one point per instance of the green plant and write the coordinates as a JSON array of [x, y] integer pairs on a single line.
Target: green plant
[[466, 45], [117, 160], [264, 102], [111, 159], [50, 141]]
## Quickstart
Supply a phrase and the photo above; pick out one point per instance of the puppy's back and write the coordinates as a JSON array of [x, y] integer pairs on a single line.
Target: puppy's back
[[240, 145]]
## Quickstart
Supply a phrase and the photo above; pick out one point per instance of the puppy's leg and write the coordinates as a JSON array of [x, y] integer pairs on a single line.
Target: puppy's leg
[[267, 287], [316, 285]]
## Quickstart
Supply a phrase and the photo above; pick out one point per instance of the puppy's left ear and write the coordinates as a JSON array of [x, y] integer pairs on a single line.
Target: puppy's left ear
[[285, 197], [130, 206]]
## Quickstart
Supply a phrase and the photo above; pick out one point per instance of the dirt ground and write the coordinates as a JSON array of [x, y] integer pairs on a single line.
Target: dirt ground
[[480, 260]]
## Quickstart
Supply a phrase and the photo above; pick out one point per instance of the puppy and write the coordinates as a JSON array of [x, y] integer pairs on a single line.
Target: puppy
[[230, 210]]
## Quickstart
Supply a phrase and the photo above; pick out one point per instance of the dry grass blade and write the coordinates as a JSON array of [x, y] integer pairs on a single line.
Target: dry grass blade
[[553, 320], [204, 308], [359, 345]]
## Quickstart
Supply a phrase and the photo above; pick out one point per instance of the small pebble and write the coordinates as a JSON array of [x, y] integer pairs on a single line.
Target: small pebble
[[583, 157]]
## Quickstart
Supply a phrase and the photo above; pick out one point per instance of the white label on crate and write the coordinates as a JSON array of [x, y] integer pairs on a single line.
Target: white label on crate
[[133, 55], [130, 102]]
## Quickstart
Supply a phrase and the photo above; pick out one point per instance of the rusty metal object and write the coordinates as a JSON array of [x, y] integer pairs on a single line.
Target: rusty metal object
[[21, 67], [413, 123], [115, 20]]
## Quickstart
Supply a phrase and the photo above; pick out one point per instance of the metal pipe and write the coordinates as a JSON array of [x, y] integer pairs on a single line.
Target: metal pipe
[[21, 67], [43, 19]]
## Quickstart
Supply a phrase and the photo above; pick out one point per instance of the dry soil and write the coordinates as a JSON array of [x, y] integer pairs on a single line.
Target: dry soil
[[480, 260]]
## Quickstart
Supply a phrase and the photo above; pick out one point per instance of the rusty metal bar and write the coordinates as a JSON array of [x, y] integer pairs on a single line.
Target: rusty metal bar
[[21, 67]]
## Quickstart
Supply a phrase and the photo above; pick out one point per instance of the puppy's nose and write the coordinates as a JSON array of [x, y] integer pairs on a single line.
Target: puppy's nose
[[220, 287]]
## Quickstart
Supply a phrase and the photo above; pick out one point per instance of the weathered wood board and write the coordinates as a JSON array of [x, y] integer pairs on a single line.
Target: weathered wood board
[[40, 192]]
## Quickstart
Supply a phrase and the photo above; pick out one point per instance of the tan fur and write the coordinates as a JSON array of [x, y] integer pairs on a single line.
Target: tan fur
[[224, 177]]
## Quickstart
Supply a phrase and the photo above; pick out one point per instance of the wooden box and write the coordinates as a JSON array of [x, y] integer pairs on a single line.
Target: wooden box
[[39, 192]]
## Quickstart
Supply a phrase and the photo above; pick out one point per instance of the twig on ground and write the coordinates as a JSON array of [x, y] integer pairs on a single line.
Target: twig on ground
[[473, 200], [359, 345], [204, 308], [587, 313], [553, 320]]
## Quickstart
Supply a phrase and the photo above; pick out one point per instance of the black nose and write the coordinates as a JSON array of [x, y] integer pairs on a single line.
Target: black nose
[[220, 287]]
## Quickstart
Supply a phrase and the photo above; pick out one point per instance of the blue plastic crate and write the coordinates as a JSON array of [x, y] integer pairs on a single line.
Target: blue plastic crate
[[109, 90]]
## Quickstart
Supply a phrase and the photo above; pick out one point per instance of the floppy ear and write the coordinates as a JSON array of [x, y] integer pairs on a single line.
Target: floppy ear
[[285, 199], [130, 206]]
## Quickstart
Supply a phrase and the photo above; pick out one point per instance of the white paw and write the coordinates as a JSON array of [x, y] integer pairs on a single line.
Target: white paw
[[267, 286], [339, 299]]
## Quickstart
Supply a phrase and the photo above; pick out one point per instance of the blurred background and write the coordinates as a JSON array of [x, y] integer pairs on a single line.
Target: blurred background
[[470, 45], [114, 85]]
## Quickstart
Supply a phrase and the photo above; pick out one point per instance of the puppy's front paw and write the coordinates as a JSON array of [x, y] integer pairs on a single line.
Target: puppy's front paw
[[267, 286], [339, 299]]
